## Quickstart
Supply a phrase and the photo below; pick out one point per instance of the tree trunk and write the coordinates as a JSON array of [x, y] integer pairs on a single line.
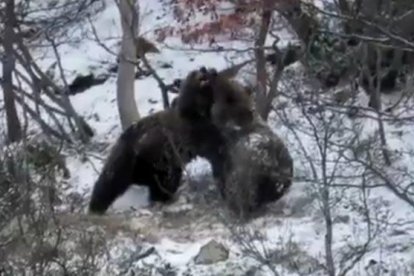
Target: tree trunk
[[14, 131], [261, 74], [127, 107]]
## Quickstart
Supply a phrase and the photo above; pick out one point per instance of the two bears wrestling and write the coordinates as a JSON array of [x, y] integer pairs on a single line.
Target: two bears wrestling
[[212, 117]]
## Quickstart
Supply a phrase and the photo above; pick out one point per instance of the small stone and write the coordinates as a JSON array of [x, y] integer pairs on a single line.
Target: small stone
[[212, 252]]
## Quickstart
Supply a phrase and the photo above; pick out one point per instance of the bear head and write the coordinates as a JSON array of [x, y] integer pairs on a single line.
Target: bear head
[[232, 107]]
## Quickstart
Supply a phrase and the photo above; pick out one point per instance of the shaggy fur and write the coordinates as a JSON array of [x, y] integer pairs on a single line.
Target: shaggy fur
[[154, 150], [258, 168], [149, 152]]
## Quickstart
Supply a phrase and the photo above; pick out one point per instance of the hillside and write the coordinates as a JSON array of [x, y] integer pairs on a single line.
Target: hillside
[[292, 235]]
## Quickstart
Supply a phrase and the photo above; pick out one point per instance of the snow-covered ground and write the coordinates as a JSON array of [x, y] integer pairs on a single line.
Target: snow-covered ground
[[294, 226]]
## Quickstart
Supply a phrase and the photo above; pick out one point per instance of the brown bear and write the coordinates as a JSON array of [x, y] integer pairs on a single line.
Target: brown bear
[[154, 150], [258, 168]]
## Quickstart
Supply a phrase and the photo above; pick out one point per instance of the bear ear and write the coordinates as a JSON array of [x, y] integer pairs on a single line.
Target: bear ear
[[213, 72], [203, 70]]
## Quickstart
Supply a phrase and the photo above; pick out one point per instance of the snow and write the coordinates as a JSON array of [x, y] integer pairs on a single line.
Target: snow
[[296, 218]]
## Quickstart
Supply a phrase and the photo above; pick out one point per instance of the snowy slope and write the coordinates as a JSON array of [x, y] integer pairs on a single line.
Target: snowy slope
[[295, 224]]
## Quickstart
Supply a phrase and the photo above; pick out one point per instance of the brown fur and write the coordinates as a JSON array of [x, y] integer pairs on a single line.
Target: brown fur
[[154, 150], [258, 168], [149, 153]]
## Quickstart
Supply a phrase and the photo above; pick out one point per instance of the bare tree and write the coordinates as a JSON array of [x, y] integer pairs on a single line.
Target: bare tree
[[127, 106], [30, 81], [13, 123]]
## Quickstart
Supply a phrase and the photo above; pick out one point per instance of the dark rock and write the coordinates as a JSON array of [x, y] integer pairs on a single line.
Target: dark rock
[[166, 65]]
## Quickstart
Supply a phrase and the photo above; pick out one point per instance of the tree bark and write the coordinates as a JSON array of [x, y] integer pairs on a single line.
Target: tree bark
[[14, 131], [127, 107], [261, 74]]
